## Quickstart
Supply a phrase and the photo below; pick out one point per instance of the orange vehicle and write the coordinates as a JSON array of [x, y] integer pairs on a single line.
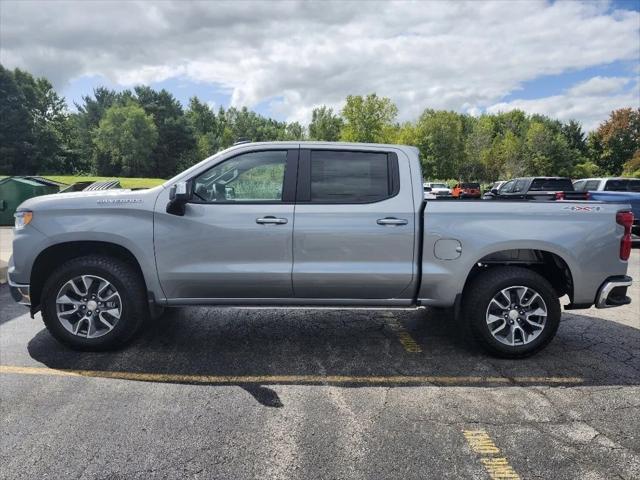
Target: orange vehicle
[[466, 190]]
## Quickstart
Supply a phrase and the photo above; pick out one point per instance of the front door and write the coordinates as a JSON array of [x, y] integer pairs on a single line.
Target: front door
[[235, 238], [354, 226]]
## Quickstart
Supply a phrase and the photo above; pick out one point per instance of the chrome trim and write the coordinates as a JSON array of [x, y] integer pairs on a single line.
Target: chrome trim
[[606, 288], [21, 293]]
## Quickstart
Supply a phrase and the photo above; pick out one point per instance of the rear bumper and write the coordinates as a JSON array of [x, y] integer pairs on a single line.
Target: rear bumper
[[613, 292]]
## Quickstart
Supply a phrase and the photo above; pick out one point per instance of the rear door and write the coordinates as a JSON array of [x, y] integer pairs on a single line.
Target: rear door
[[354, 225]]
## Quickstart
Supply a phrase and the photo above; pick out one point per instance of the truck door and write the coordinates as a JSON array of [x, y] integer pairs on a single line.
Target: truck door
[[354, 227], [235, 238]]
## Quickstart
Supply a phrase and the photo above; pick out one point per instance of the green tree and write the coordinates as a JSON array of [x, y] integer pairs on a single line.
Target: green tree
[[586, 169], [368, 119], [48, 117], [16, 134], [478, 150], [80, 125], [632, 166], [325, 125], [33, 122], [207, 128], [509, 156], [573, 133], [294, 131], [616, 140], [175, 139], [128, 137], [440, 138]]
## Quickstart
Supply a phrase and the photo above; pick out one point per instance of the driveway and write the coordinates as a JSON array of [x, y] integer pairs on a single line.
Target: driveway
[[302, 394]]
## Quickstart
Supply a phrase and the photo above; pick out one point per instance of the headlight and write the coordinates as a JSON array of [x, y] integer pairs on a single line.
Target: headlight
[[23, 218]]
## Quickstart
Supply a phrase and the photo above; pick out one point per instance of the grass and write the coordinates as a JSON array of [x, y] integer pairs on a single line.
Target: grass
[[124, 181]]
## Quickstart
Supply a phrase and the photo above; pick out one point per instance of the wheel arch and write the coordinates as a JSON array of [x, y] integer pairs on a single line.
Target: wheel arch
[[550, 265], [57, 254]]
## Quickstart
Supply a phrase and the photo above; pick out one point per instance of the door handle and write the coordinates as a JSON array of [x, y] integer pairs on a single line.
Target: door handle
[[391, 221], [270, 220]]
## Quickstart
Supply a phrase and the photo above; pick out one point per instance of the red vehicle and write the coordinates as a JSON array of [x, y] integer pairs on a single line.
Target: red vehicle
[[466, 190]]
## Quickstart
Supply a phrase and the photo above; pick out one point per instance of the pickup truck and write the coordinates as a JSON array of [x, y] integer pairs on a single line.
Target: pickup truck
[[316, 225], [536, 188], [614, 190]]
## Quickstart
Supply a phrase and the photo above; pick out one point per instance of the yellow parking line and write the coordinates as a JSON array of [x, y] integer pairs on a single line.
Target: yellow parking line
[[497, 466], [407, 341], [294, 379]]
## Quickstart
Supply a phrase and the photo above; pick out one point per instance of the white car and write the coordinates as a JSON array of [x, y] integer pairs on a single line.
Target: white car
[[610, 184], [437, 189]]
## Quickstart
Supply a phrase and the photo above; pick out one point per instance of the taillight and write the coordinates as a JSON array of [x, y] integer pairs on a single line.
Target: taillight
[[626, 220], [559, 195]]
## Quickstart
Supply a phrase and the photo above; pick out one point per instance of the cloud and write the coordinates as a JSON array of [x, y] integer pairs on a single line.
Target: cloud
[[295, 55], [590, 101]]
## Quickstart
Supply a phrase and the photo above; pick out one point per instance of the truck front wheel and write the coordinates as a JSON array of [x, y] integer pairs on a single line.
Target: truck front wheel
[[513, 312], [94, 303]]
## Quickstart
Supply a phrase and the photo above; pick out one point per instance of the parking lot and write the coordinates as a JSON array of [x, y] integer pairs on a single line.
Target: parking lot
[[246, 393]]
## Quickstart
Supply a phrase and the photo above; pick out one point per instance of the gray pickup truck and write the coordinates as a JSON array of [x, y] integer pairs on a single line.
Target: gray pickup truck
[[314, 225]]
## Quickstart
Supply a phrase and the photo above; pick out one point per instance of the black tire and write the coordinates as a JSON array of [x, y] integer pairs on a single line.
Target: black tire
[[122, 276], [480, 292]]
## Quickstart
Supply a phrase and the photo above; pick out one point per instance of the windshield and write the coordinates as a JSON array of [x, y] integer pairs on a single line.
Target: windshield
[[438, 185]]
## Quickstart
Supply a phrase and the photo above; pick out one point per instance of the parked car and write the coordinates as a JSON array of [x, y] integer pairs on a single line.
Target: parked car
[[607, 184], [537, 188], [438, 189], [490, 193], [428, 193], [615, 190], [313, 224], [466, 190]]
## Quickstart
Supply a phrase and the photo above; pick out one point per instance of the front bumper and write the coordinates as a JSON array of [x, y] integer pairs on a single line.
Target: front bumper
[[613, 292], [20, 293]]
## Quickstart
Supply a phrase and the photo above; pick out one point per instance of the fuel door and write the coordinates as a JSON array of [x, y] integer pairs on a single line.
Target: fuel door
[[447, 249]]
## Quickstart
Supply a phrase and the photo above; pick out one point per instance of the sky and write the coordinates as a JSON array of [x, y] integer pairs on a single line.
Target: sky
[[566, 59]]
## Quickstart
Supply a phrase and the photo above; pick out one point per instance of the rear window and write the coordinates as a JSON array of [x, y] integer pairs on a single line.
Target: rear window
[[551, 185], [470, 185], [623, 185], [350, 177]]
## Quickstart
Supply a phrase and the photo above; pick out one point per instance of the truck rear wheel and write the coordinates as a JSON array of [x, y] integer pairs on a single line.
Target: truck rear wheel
[[513, 312], [94, 303]]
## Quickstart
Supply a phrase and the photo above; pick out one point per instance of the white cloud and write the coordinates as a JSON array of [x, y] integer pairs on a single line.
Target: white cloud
[[590, 101], [599, 86], [294, 55]]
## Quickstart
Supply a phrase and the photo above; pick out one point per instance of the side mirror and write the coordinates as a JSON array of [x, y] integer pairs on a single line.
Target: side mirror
[[494, 191], [179, 195]]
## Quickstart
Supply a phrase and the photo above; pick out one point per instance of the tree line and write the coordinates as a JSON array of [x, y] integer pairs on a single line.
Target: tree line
[[148, 133]]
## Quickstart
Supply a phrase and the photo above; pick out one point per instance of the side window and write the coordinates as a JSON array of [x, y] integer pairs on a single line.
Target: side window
[[506, 188], [351, 177], [592, 185], [519, 186], [252, 177], [579, 186]]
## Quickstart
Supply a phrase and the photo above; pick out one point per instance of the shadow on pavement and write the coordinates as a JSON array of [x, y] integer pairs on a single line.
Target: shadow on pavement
[[321, 344]]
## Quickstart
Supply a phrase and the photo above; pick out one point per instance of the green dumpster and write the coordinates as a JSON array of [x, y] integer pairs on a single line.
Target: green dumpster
[[15, 190]]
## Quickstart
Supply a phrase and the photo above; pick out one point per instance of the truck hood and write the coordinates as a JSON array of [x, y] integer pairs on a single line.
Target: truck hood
[[91, 199]]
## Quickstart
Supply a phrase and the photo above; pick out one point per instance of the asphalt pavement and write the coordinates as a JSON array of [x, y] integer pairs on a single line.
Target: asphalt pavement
[[305, 394]]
